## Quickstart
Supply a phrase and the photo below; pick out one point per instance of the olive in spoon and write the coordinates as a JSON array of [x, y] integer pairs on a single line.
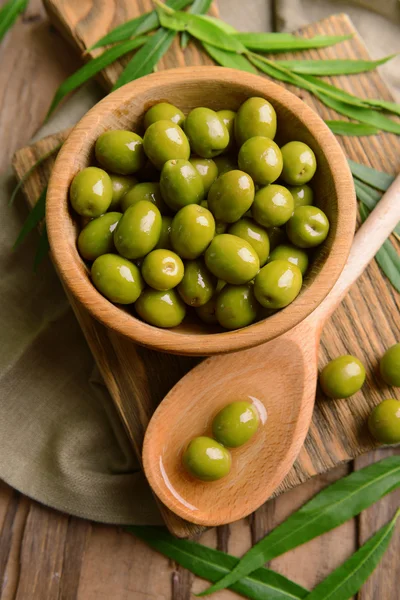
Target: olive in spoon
[[280, 377]]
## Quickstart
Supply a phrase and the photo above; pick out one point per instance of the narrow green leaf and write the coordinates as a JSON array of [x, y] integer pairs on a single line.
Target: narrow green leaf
[[229, 59], [333, 91], [93, 67], [199, 7], [212, 564], [9, 14], [35, 216], [142, 24], [146, 59], [347, 579], [391, 107], [333, 67], [377, 179], [42, 249], [366, 194], [276, 42], [330, 508], [347, 128], [221, 24]]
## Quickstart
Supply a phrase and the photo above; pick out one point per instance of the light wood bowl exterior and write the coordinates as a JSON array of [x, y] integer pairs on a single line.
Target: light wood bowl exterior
[[216, 88]]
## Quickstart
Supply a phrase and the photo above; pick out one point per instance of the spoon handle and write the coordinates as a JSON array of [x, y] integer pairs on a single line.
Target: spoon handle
[[367, 241]]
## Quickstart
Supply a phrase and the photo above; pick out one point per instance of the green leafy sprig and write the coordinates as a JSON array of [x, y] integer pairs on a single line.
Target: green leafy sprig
[[9, 13]]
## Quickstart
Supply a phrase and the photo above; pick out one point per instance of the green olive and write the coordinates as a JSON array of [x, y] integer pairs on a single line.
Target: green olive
[[299, 163], [164, 239], [255, 235], [236, 306], [228, 118], [121, 184], [230, 196], [91, 192], [225, 163], [302, 195], [162, 269], [390, 366], [116, 278], [160, 308], [192, 230], [235, 424], [181, 184], [97, 237], [342, 377], [256, 117], [138, 230], [206, 459], [149, 191], [276, 236], [163, 111], [294, 255], [277, 284], [261, 158], [220, 227], [198, 285], [308, 227], [207, 170], [120, 151], [206, 132], [207, 312], [165, 141], [232, 259], [273, 206], [384, 422]]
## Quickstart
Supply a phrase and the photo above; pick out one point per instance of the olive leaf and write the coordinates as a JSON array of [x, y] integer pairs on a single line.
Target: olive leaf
[[277, 42], [219, 23], [34, 218], [348, 128], [229, 59], [42, 249], [376, 179], [9, 14], [330, 508], [334, 66], [199, 7]]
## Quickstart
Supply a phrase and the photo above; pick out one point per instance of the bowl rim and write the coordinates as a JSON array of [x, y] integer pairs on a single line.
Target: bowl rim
[[65, 256]]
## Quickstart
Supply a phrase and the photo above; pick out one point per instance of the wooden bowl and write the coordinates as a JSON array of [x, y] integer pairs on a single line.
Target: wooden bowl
[[217, 88]]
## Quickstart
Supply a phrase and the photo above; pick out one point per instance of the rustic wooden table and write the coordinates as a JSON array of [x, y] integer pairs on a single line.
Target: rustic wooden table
[[46, 555]]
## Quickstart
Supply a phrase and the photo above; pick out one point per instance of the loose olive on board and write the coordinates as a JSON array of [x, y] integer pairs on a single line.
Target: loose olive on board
[[192, 230], [116, 278], [160, 308], [91, 192], [294, 255], [303, 195], [208, 171], [121, 184], [390, 366], [206, 131], [163, 111], [236, 424], [97, 237], [277, 284], [342, 377], [230, 196], [162, 269], [384, 422], [232, 259], [299, 163], [181, 184], [255, 117], [120, 151], [236, 306], [228, 118], [308, 227], [163, 141], [164, 239], [149, 191], [273, 206], [206, 459], [261, 158], [198, 284], [138, 230], [256, 236]]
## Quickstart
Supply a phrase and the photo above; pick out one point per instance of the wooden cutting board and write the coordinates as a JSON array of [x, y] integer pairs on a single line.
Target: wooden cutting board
[[366, 323]]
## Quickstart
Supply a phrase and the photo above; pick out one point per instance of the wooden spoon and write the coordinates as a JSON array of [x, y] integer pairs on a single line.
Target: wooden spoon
[[279, 376]]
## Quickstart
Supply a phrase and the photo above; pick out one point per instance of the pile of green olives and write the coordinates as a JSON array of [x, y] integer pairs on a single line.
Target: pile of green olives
[[203, 211], [207, 458]]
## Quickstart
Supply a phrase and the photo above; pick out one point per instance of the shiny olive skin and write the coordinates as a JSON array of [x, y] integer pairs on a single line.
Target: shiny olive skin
[[303, 195], [255, 235], [192, 230], [116, 278], [277, 284], [206, 459], [121, 184], [384, 422], [138, 230], [207, 312], [273, 206], [261, 158], [235, 424], [206, 132], [220, 227], [295, 255], [164, 239], [299, 163], [163, 111], [162, 269], [207, 170], [228, 118], [160, 308], [91, 192], [236, 306], [390, 366], [230, 196], [342, 377], [149, 191], [97, 237], [308, 227], [256, 117], [276, 236], [163, 141], [198, 284], [225, 163], [232, 259], [181, 184], [120, 151]]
